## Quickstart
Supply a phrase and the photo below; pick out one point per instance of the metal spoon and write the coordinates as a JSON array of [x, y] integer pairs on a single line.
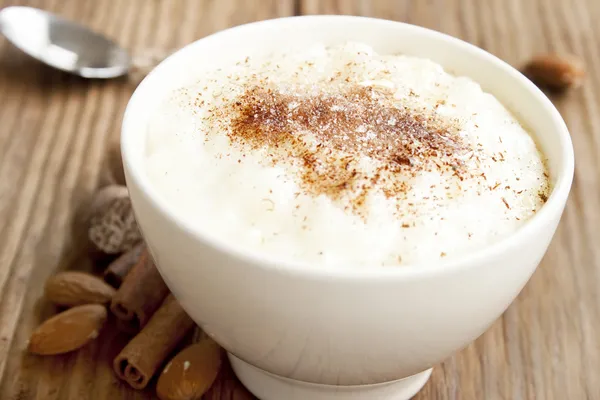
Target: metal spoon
[[63, 44]]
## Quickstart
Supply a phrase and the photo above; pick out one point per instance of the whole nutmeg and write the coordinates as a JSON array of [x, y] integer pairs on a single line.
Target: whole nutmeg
[[112, 227]]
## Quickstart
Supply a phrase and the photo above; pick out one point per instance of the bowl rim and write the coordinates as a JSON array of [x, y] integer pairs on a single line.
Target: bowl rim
[[552, 208]]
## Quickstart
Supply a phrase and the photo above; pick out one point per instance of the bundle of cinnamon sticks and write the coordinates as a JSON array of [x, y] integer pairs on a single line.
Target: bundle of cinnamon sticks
[[143, 304]]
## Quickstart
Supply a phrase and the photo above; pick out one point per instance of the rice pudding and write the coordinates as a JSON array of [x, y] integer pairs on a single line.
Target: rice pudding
[[344, 158]]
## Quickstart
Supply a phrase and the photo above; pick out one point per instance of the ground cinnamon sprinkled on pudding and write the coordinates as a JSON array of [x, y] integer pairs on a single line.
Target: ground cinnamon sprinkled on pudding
[[341, 157], [327, 133]]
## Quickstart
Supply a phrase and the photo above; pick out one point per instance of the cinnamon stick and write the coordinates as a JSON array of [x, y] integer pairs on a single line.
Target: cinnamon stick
[[140, 294], [146, 352], [117, 270]]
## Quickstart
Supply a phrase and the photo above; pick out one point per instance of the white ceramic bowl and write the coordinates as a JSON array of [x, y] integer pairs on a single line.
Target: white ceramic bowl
[[341, 327]]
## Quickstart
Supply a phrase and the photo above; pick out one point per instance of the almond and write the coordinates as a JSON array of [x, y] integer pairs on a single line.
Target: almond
[[191, 372], [554, 71], [73, 288], [68, 330]]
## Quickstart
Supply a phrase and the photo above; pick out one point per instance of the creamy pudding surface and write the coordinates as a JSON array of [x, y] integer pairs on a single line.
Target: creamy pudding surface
[[344, 158]]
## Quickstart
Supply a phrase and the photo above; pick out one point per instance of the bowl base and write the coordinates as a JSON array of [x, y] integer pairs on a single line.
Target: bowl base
[[267, 386]]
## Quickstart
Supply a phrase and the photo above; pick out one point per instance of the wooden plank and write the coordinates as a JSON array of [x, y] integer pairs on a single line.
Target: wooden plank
[[56, 127]]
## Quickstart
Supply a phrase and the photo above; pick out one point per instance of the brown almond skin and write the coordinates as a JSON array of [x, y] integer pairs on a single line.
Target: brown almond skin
[[68, 330], [556, 71], [191, 372], [72, 288]]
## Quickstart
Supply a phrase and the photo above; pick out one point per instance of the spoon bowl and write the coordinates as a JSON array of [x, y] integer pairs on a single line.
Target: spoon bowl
[[63, 44]]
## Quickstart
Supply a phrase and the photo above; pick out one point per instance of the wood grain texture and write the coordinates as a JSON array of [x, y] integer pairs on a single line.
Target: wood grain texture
[[55, 129]]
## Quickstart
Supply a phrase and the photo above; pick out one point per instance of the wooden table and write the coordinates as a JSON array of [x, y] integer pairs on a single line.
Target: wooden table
[[55, 128]]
